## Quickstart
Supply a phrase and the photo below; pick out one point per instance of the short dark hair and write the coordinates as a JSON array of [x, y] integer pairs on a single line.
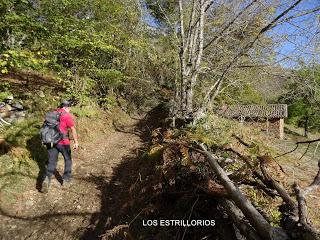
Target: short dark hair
[[65, 103]]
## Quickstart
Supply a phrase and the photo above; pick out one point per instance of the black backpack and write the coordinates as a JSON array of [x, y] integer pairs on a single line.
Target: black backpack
[[50, 132]]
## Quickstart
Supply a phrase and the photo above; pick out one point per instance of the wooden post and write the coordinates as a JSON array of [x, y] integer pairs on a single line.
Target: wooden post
[[306, 126], [242, 118], [281, 128]]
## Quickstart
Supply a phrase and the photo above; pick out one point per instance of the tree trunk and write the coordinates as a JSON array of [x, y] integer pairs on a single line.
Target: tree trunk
[[189, 98], [191, 51], [240, 221], [182, 61]]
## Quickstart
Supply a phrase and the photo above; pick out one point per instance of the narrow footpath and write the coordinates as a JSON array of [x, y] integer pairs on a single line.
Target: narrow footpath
[[89, 205]]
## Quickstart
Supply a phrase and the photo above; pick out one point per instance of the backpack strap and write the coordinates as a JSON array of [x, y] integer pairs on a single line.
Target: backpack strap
[[64, 135]]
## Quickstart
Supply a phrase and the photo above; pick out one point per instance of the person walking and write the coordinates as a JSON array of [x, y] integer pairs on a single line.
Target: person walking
[[66, 122]]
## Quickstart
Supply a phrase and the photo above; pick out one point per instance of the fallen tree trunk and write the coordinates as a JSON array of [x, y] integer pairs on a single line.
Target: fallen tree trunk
[[281, 191], [212, 188], [294, 222], [306, 229], [264, 229], [295, 215], [239, 220], [247, 161]]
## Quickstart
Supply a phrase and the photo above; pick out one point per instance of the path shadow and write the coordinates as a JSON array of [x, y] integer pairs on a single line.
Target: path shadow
[[22, 81], [4, 146], [39, 154], [116, 202], [129, 197], [36, 149], [33, 145]]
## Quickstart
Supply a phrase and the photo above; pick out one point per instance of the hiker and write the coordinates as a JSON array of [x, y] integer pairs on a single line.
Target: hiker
[[65, 122]]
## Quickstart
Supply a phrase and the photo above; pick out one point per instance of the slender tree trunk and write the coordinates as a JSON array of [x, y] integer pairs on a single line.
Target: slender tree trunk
[[189, 98], [191, 52], [183, 76]]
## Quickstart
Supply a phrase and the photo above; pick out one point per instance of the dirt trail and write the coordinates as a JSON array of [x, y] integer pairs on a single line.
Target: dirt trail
[[80, 211]]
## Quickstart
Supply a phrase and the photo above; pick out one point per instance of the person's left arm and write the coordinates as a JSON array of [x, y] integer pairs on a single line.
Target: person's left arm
[[75, 137], [71, 125]]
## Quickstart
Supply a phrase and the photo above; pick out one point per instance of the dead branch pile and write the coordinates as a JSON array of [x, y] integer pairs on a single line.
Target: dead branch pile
[[222, 177], [180, 178]]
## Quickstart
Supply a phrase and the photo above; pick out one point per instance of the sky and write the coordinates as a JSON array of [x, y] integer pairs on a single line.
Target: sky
[[147, 17], [300, 37]]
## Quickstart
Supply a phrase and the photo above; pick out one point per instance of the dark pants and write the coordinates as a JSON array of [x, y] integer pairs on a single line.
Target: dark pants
[[53, 153]]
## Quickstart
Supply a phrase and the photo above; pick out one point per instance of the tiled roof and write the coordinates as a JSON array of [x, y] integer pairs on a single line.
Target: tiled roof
[[256, 111]]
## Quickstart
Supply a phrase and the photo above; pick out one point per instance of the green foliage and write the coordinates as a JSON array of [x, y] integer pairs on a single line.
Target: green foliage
[[108, 102], [95, 48], [275, 217], [19, 25], [160, 8], [303, 97], [246, 94], [213, 131], [4, 90], [78, 88], [18, 134], [155, 153], [107, 79], [88, 111], [4, 63], [22, 59], [298, 111], [249, 95]]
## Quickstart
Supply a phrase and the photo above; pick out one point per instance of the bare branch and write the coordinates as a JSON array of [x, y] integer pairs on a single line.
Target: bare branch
[[305, 152], [317, 9], [297, 145], [282, 192], [263, 228], [228, 25], [218, 84], [271, 24]]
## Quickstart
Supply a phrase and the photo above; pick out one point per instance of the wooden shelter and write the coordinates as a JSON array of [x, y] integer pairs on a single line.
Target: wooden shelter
[[272, 115]]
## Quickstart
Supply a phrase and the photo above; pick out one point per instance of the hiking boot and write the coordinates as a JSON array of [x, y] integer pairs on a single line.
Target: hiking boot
[[45, 185], [66, 183]]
